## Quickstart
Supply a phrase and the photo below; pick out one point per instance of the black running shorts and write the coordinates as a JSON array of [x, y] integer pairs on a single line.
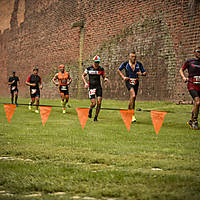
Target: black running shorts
[[194, 93], [34, 93], [95, 92], [134, 86]]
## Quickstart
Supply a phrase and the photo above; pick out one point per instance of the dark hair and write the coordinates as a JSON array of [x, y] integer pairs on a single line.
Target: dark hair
[[132, 51], [35, 69]]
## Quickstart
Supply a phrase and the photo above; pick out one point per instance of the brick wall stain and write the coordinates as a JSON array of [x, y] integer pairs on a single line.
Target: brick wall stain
[[40, 33]]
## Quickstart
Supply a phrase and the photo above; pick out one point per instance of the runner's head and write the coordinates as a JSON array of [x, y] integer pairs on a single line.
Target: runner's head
[[197, 52], [132, 56], [96, 60], [61, 68], [13, 73], [35, 70]]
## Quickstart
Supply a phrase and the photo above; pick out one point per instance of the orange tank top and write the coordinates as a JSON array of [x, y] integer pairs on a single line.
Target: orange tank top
[[62, 78]]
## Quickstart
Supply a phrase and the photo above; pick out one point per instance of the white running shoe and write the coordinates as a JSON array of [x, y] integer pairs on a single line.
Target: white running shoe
[[36, 111], [30, 106], [64, 111], [133, 118]]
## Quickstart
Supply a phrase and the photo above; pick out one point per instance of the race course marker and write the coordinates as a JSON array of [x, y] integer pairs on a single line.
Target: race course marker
[[9, 110]]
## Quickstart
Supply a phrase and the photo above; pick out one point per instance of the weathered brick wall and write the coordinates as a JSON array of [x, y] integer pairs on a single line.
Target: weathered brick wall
[[40, 33]]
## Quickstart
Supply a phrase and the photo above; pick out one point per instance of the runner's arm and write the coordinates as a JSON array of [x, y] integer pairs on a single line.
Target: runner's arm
[[104, 76], [105, 79], [40, 84], [10, 82], [182, 75], [142, 71], [83, 78], [54, 79], [18, 80], [70, 80], [122, 75]]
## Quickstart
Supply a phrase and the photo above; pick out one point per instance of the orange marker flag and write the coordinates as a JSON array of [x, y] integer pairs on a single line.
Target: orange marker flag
[[9, 110], [44, 113], [157, 119], [127, 117], [82, 115]]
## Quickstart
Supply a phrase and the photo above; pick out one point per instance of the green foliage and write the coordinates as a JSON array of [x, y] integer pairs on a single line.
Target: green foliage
[[102, 161]]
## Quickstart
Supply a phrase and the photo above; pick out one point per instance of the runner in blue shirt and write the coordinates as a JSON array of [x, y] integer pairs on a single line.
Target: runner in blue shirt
[[133, 69]]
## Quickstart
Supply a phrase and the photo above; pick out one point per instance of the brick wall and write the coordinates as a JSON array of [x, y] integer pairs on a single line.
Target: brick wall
[[40, 33]]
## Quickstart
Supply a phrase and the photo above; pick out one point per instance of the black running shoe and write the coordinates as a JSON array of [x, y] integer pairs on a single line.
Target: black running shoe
[[195, 125], [189, 123], [95, 119], [90, 113]]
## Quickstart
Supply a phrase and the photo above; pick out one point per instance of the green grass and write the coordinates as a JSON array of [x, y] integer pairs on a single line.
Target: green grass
[[103, 161]]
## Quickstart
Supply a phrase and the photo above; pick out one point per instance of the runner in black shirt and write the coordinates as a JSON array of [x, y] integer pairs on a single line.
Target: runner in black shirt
[[13, 87], [94, 86], [35, 83]]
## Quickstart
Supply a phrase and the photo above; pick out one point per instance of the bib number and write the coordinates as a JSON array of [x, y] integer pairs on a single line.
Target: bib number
[[13, 88], [63, 87], [132, 81], [196, 79], [92, 92], [33, 91]]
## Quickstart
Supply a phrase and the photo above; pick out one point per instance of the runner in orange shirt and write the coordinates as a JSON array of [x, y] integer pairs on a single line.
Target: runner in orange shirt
[[64, 80]]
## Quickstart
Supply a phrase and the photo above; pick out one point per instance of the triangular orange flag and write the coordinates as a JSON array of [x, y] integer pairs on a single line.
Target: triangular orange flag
[[157, 119], [127, 117], [9, 110], [82, 115], [44, 113]]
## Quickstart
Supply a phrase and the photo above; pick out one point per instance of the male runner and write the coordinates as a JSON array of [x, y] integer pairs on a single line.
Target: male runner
[[64, 80], [133, 69], [35, 83], [13, 87], [94, 86], [193, 85]]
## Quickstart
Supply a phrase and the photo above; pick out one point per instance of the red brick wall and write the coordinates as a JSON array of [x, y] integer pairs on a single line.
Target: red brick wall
[[162, 32]]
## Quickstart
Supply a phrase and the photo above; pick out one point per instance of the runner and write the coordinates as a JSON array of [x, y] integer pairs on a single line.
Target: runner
[[64, 80], [193, 85], [14, 87], [94, 85], [34, 81], [133, 69]]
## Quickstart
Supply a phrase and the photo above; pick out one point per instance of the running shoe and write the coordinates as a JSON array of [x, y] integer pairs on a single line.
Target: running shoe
[[195, 125], [36, 111], [133, 118], [95, 119], [64, 111], [90, 113], [30, 106], [189, 123]]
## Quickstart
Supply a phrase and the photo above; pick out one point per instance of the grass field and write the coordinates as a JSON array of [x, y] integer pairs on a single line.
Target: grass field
[[103, 161]]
